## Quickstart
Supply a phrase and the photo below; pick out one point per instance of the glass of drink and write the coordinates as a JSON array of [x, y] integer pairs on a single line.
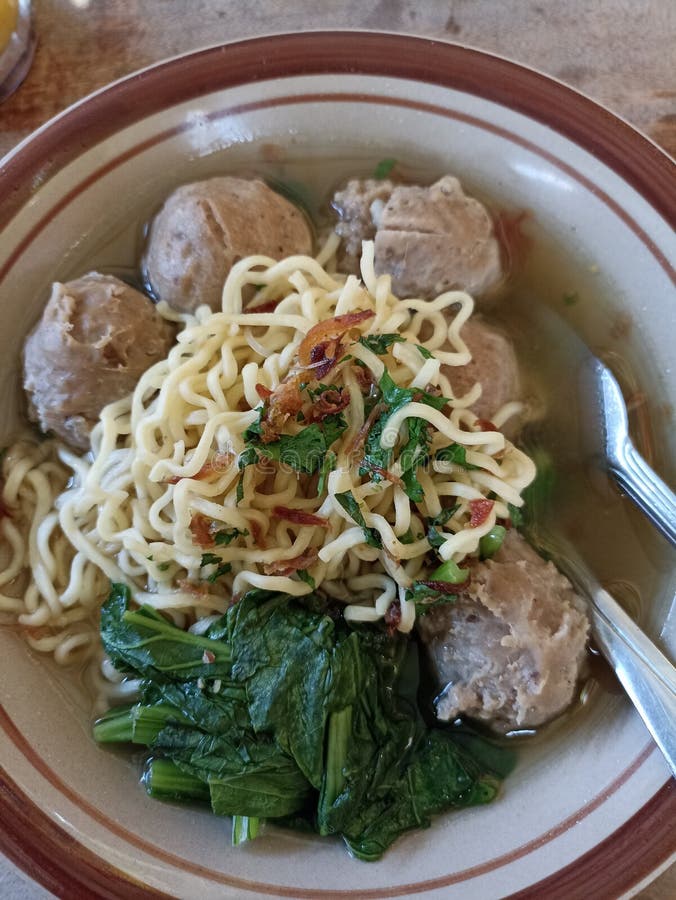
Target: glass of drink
[[17, 44]]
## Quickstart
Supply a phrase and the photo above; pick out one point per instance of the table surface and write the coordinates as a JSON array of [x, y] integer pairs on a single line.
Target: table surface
[[620, 52]]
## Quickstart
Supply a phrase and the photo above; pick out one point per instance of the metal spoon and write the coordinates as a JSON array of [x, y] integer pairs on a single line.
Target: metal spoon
[[604, 413], [644, 671], [600, 421]]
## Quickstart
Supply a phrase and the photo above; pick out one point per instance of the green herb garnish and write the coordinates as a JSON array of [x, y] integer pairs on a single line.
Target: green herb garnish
[[351, 507], [384, 168], [414, 453], [454, 453], [328, 465], [305, 576], [304, 451], [446, 513], [380, 343], [225, 537]]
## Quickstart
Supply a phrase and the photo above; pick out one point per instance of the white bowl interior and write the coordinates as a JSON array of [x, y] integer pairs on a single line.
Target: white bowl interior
[[603, 748]]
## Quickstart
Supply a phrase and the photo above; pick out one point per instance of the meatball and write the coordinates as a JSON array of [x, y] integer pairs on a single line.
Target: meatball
[[511, 649], [95, 339], [429, 239], [359, 206], [493, 364], [204, 228]]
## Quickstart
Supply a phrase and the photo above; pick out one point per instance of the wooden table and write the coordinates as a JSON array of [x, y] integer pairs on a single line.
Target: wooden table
[[621, 52]]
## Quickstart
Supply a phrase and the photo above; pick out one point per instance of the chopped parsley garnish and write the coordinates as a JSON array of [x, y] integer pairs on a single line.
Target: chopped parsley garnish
[[305, 576], [380, 343], [424, 352], [384, 168], [351, 507], [239, 494], [414, 453], [328, 465], [319, 389], [304, 451], [221, 570], [454, 453], [425, 597], [247, 458], [407, 537], [570, 298], [212, 559], [434, 538], [446, 513], [223, 538]]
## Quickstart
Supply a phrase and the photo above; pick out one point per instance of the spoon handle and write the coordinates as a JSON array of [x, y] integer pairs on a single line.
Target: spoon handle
[[645, 488], [645, 673]]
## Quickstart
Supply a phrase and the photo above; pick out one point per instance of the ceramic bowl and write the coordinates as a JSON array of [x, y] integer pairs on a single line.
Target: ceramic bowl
[[586, 812]]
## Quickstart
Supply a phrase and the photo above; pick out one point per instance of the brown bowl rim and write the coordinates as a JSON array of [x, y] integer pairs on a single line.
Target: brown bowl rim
[[34, 841]]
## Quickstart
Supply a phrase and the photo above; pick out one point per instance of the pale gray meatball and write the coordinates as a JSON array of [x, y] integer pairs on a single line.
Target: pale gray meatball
[[493, 364], [204, 228], [95, 339], [510, 651], [359, 206], [429, 239]]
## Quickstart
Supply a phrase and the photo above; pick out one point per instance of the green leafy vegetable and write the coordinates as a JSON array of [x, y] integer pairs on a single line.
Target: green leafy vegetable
[[306, 577], [328, 465], [351, 507], [454, 453], [164, 780], [424, 352], [384, 168], [446, 513], [244, 828], [380, 343], [295, 191], [281, 712], [209, 559], [425, 597], [304, 451], [407, 537], [434, 538], [247, 458], [223, 569], [225, 537], [414, 452], [213, 559], [145, 642]]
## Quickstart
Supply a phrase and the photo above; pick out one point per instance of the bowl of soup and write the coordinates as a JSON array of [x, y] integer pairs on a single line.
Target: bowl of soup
[[273, 403]]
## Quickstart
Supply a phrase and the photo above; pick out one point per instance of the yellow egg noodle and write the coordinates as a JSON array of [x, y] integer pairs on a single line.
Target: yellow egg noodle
[[126, 511]]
